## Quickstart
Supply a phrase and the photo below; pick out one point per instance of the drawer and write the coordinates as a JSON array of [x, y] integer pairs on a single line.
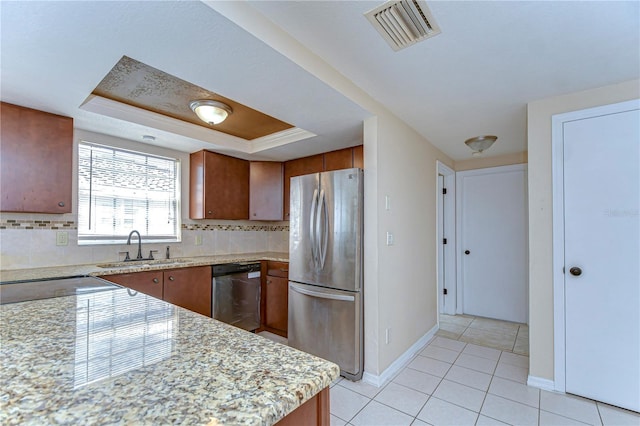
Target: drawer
[[278, 269]]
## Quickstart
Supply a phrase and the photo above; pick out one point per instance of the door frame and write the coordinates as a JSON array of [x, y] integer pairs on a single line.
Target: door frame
[[557, 176], [448, 205], [459, 202]]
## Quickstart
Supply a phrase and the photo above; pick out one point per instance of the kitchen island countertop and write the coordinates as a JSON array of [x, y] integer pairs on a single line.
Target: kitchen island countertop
[[117, 357], [95, 270]]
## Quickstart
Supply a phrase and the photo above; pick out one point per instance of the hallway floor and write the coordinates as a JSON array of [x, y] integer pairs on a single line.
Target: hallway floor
[[451, 382], [503, 335]]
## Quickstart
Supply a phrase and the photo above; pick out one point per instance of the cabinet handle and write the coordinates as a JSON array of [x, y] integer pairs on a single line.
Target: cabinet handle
[[268, 281], [155, 280], [61, 204], [284, 270], [171, 278], [209, 212], [255, 214]]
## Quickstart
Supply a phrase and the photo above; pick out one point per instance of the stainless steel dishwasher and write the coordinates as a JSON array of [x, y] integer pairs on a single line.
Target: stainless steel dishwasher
[[236, 294]]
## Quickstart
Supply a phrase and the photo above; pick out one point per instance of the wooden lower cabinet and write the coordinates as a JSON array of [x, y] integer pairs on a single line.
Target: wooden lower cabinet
[[275, 297], [189, 288], [150, 282], [314, 412], [277, 306]]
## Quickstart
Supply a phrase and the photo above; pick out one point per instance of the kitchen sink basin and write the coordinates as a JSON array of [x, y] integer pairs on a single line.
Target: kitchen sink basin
[[141, 263]]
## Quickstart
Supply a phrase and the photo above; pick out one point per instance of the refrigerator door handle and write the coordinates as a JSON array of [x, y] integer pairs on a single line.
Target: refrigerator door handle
[[322, 295], [312, 228], [324, 236]]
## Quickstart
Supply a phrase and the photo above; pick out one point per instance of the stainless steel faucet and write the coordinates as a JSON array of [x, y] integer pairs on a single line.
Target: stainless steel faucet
[[139, 256]]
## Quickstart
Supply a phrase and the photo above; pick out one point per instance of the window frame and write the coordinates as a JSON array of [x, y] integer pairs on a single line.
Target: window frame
[[88, 239]]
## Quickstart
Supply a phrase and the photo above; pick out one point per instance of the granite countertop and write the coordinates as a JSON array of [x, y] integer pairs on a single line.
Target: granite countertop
[[116, 357], [128, 267]]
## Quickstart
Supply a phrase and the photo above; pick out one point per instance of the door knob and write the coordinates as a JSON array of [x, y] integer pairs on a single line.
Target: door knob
[[575, 271], [467, 252]]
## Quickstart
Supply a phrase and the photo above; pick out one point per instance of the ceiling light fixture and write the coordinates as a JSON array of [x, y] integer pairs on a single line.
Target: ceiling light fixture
[[211, 112], [479, 144]]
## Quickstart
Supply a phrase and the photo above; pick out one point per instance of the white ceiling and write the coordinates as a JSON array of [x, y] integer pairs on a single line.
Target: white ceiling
[[473, 79]]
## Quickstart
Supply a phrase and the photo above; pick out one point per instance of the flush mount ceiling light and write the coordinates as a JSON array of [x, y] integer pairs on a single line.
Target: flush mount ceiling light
[[211, 112], [479, 144]]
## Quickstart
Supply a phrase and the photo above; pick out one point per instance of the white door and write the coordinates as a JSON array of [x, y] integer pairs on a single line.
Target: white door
[[602, 257], [493, 242]]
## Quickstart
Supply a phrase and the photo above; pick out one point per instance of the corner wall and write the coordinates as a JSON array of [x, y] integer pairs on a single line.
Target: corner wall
[[539, 115]]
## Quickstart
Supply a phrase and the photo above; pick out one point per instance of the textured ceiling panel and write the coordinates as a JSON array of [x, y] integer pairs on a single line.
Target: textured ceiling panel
[[140, 85]]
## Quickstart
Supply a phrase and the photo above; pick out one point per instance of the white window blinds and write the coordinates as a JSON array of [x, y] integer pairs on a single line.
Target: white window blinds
[[119, 191]]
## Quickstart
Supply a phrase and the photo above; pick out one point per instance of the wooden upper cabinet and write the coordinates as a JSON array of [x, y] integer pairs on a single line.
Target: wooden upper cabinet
[[218, 186], [298, 167], [338, 160], [36, 157], [358, 156], [265, 190]]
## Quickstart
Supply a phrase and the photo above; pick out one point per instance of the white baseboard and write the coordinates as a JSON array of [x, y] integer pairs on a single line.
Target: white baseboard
[[539, 382], [400, 362]]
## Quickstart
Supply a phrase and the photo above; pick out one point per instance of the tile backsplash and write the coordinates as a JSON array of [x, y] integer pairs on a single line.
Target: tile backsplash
[[29, 241]]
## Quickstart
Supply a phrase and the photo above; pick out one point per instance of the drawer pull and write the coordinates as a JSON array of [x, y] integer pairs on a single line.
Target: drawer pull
[[171, 278], [155, 280]]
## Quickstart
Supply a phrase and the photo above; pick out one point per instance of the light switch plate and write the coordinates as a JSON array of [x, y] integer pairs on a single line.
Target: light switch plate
[[62, 238]]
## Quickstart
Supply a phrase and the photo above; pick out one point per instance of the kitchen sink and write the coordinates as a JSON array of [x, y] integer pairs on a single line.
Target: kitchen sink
[[142, 263]]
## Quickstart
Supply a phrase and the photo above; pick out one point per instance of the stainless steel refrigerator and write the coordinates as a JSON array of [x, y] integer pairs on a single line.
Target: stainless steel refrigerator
[[325, 268]]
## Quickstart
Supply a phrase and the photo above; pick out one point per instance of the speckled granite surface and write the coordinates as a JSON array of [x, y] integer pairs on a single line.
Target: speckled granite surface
[[116, 358], [95, 270]]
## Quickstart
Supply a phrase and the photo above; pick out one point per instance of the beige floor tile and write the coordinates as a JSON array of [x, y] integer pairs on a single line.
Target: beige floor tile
[[498, 340], [335, 421], [361, 387], [460, 395], [451, 344], [430, 366], [482, 351], [378, 414], [487, 421], [417, 380], [617, 416], [521, 347], [574, 407], [457, 319], [512, 372], [509, 411], [476, 363], [514, 359], [448, 334], [472, 378], [437, 412], [518, 392], [345, 404], [402, 398], [440, 354], [453, 328], [550, 419], [494, 325]]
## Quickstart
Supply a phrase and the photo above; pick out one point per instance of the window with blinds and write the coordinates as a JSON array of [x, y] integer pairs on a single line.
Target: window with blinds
[[120, 190]]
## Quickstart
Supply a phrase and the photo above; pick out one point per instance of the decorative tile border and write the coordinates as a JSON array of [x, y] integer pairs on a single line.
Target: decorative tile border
[[227, 227], [70, 224], [37, 224]]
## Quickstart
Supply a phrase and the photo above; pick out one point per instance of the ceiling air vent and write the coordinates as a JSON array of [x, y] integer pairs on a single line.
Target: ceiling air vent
[[403, 22]]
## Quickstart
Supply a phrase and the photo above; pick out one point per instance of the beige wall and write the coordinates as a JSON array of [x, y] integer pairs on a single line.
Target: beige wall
[[401, 280], [498, 160], [540, 214]]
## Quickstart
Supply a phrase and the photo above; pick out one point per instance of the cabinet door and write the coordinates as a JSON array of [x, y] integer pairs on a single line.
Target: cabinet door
[[265, 190], [219, 186], [338, 160], [35, 161], [277, 306], [189, 288], [145, 282], [358, 156], [301, 166]]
